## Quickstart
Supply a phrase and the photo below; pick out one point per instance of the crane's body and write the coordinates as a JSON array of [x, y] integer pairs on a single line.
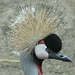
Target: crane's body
[[35, 23]]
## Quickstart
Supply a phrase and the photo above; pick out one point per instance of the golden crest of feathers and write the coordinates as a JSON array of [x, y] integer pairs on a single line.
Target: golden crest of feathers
[[35, 22]]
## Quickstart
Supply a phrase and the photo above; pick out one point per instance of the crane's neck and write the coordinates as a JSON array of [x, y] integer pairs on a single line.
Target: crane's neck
[[38, 63], [31, 65]]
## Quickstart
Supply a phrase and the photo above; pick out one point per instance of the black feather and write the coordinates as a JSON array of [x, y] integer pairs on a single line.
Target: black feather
[[53, 42]]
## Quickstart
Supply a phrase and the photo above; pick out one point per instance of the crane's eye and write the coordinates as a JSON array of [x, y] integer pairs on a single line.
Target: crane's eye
[[47, 49]]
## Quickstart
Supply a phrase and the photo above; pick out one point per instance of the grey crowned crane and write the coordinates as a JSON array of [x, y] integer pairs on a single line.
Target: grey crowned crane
[[47, 48], [32, 34]]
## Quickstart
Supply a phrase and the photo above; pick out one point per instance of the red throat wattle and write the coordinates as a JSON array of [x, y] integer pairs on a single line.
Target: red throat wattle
[[39, 69]]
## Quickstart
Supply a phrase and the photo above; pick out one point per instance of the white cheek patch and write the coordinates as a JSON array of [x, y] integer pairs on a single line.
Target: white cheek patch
[[40, 51]]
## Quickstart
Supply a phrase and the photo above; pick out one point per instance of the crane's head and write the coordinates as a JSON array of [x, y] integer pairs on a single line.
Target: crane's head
[[50, 48]]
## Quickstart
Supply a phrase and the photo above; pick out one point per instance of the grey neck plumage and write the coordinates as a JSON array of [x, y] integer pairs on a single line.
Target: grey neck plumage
[[28, 65]]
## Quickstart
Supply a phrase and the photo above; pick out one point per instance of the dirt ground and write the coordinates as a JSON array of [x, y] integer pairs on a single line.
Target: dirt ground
[[50, 67]]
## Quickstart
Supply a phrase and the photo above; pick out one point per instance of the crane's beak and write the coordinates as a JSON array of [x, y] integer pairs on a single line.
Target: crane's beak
[[59, 56]]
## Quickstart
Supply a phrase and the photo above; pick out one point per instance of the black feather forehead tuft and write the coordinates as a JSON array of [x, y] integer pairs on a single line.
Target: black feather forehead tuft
[[53, 42]]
